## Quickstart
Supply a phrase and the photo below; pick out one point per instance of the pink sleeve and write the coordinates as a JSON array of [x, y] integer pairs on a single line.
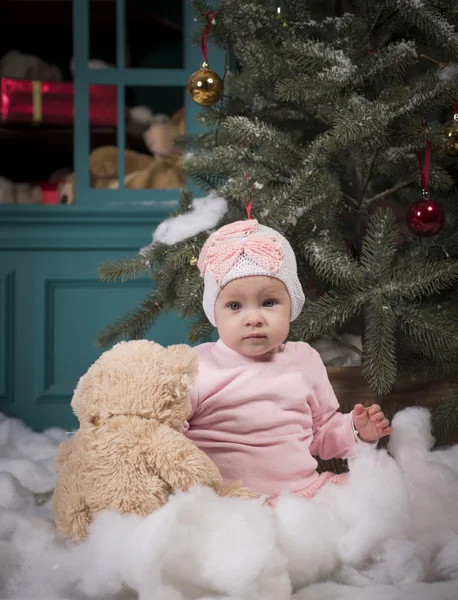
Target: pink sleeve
[[194, 394], [333, 432]]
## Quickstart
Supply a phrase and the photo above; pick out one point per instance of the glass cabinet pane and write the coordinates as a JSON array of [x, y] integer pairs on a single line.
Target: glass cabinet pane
[[102, 33], [153, 33], [37, 100], [155, 121]]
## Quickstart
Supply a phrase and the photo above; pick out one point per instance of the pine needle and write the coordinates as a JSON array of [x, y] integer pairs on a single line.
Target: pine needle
[[445, 419], [379, 352], [328, 312], [379, 244], [125, 269]]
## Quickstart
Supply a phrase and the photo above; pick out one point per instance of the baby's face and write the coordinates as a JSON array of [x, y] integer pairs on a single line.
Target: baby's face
[[253, 315]]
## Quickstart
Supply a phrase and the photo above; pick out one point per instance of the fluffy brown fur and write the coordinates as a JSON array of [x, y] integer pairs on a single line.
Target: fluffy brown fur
[[129, 453]]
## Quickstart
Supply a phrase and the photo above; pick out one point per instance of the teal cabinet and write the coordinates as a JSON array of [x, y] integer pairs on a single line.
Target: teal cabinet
[[52, 303]]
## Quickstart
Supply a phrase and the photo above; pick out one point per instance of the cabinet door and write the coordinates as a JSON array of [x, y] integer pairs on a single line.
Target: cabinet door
[[145, 72], [52, 305]]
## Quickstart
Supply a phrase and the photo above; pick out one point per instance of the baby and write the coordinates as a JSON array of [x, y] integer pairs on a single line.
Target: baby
[[262, 408]]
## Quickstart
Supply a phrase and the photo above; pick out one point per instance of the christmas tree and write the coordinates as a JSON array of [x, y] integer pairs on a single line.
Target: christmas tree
[[331, 129]]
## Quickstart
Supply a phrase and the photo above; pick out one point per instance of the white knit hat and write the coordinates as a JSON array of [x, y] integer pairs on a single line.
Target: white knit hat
[[243, 249]]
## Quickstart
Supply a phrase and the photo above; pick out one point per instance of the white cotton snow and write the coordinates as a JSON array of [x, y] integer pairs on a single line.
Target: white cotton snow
[[205, 214], [197, 544], [448, 73], [417, 591], [388, 533], [12, 493], [311, 551]]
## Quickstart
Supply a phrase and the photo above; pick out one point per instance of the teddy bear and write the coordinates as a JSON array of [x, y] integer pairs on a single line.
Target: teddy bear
[[129, 453], [162, 169]]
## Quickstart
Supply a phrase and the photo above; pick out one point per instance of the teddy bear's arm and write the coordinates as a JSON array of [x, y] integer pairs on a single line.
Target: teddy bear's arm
[[63, 453], [179, 462]]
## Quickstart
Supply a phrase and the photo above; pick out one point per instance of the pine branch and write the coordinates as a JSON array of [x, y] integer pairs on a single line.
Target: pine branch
[[307, 190], [368, 175], [326, 85], [310, 55], [360, 123], [434, 331], [133, 325], [379, 350], [389, 63], [327, 255], [328, 312], [208, 183], [445, 418], [200, 330], [243, 132], [374, 22], [422, 279], [429, 22], [430, 327], [426, 94], [379, 245], [390, 191], [189, 293], [416, 368], [125, 269], [261, 66], [156, 254]]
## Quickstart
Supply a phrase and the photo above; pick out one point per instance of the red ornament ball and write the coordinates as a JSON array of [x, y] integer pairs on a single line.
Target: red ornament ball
[[425, 217]]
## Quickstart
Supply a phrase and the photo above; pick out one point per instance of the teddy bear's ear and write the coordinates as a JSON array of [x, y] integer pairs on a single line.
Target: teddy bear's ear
[[84, 402], [181, 358], [88, 395]]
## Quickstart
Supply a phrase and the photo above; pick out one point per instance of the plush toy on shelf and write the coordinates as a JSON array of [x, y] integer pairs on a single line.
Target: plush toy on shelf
[[162, 169], [129, 453], [19, 65]]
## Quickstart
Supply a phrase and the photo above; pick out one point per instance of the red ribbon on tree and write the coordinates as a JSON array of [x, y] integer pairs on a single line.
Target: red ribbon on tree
[[424, 168], [249, 204], [210, 21]]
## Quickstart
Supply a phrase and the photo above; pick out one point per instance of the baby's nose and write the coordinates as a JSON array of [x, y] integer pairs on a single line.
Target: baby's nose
[[254, 318]]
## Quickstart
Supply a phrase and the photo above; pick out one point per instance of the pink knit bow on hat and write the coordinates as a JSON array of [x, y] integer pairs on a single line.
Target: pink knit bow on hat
[[223, 248]]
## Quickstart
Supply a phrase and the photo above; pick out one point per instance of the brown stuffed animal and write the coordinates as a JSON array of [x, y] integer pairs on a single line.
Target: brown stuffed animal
[[129, 453], [162, 169]]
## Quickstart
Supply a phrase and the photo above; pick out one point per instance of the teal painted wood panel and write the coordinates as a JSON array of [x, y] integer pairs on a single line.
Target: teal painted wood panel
[[7, 339], [60, 306]]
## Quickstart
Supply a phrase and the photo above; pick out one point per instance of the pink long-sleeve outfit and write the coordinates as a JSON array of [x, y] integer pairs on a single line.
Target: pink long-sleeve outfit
[[262, 421]]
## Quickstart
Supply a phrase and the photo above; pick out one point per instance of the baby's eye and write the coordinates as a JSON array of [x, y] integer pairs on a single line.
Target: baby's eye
[[234, 305], [269, 303]]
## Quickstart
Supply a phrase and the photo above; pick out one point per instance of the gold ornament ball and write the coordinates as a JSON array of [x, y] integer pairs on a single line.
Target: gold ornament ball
[[451, 137], [193, 261], [205, 87]]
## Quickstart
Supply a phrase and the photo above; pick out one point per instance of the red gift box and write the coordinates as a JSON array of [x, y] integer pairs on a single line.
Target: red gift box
[[49, 192], [29, 102]]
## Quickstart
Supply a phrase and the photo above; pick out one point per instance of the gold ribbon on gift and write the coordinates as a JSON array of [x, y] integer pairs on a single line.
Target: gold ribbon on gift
[[37, 103]]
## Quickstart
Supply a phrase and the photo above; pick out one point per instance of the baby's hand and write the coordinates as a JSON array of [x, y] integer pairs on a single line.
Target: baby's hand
[[370, 423]]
